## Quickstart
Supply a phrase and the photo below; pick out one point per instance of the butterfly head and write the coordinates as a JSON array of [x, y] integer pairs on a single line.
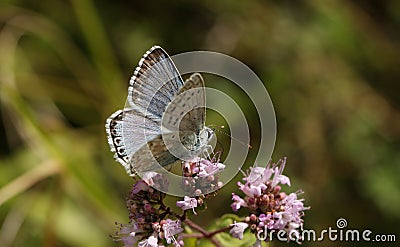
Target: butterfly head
[[205, 136]]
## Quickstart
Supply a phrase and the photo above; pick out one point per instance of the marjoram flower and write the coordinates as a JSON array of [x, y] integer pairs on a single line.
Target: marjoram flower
[[200, 176], [187, 203], [148, 225], [238, 229], [269, 207]]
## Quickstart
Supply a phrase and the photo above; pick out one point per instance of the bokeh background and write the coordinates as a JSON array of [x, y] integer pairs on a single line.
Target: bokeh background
[[332, 69]]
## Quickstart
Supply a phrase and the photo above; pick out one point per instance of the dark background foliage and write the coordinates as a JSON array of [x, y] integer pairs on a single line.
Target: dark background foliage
[[331, 68]]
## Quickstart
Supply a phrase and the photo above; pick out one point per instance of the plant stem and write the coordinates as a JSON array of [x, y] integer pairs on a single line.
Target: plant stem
[[204, 233]]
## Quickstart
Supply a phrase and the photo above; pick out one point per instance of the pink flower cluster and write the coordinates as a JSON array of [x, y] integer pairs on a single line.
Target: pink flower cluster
[[200, 176], [148, 226], [153, 224], [269, 207]]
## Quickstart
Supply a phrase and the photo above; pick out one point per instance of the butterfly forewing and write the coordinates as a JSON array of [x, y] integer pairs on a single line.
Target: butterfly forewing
[[115, 137], [154, 83]]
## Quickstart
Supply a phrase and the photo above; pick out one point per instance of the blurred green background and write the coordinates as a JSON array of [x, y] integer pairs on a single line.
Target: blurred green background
[[332, 69]]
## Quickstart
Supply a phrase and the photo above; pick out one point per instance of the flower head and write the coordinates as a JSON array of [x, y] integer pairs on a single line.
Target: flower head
[[208, 168], [155, 180], [270, 207], [152, 241], [127, 234], [148, 226], [238, 229], [200, 176], [187, 203], [171, 228], [237, 202]]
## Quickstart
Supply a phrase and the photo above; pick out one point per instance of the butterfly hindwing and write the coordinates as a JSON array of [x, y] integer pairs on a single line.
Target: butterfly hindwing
[[187, 110], [128, 130], [155, 153]]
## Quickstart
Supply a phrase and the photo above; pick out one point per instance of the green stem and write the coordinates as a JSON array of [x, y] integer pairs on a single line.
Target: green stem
[[204, 233]]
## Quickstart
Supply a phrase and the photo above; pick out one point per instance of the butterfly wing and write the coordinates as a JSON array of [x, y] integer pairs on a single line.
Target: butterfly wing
[[154, 83], [128, 130], [163, 150], [155, 154], [186, 112]]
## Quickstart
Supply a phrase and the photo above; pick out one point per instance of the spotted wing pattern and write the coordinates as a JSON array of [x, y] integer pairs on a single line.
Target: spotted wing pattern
[[128, 130], [187, 110]]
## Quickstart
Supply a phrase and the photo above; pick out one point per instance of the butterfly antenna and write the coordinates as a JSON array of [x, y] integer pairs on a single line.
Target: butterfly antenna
[[244, 174], [211, 153], [223, 132]]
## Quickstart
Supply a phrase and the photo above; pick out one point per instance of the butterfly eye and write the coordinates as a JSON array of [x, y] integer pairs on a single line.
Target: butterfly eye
[[209, 133]]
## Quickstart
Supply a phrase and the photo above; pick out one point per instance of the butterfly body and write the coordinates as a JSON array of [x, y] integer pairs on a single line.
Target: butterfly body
[[163, 120]]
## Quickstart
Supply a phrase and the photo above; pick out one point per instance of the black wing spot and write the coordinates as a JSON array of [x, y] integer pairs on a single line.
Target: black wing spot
[[121, 150]]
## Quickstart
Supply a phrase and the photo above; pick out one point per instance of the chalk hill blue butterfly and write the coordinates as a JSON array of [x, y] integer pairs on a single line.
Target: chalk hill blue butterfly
[[164, 117]]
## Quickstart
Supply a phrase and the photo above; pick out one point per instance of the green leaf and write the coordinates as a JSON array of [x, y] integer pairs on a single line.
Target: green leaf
[[224, 221]]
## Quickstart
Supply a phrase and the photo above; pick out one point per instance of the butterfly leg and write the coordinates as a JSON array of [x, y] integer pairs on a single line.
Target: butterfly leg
[[207, 153]]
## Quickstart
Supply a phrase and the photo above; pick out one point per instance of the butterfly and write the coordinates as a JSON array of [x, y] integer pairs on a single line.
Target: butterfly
[[163, 120]]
